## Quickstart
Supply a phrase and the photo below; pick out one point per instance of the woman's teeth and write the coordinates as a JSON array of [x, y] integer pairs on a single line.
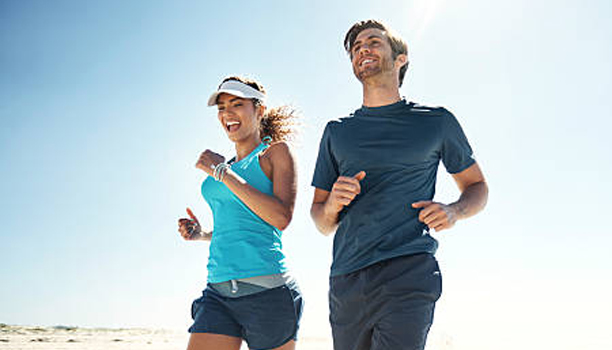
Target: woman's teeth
[[232, 126]]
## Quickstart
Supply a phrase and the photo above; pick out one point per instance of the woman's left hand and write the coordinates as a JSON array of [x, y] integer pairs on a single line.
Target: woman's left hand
[[208, 160]]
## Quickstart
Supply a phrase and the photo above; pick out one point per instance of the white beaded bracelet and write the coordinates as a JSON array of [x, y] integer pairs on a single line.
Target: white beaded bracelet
[[220, 171]]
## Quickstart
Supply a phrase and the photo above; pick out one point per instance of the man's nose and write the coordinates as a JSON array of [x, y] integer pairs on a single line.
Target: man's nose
[[363, 49]]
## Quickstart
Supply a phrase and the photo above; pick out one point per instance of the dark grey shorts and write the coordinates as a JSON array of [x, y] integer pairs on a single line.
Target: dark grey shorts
[[265, 320], [388, 305]]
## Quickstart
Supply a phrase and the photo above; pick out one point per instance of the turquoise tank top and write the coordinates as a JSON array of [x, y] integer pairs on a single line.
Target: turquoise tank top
[[242, 245]]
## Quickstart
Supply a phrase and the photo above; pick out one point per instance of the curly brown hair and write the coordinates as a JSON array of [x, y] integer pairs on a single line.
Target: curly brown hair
[[279, 123]]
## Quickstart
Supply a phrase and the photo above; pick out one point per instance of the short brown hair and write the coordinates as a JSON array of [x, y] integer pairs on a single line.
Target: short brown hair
[[398, 45]]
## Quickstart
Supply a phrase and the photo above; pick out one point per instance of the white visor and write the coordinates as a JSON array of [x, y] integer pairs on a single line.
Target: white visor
[[236, 88]]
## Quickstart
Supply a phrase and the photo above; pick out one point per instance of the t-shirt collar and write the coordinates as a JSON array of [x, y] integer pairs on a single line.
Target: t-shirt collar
[[383, 109]]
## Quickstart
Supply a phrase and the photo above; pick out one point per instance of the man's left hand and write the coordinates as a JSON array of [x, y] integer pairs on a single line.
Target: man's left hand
[[436, 216]]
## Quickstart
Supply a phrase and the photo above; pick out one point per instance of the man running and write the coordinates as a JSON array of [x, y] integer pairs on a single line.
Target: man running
[[374, 185]]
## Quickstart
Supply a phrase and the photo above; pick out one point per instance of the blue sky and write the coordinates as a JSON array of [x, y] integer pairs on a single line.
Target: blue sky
[[103, 114]]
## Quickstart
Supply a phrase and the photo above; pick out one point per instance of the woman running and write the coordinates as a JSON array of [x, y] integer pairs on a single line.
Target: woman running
[[250, 294]]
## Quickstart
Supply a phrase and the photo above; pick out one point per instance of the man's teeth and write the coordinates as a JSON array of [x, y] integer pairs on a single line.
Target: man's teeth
[[366, 61]]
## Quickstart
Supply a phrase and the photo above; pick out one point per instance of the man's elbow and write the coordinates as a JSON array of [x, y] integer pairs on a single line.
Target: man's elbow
[[315, 214], [485, 194], [483, 189], [326, 231], [478, 194]]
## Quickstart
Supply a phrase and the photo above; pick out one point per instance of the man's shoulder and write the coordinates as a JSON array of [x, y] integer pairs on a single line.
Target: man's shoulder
[[421, 109], [409, 107], [339, 121]]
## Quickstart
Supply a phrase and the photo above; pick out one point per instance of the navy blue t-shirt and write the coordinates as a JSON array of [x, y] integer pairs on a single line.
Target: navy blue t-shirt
[[399, 146]]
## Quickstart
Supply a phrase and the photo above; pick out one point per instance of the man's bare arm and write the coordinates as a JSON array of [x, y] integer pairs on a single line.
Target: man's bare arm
[[474, 194]]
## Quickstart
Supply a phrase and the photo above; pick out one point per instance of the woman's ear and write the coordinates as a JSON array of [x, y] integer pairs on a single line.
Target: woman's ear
[[261, 110]]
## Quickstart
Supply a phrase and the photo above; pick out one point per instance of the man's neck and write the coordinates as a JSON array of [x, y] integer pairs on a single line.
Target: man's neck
[[380, 93]]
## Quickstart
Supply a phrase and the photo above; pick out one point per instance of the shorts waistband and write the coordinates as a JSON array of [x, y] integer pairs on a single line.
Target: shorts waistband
[[251, 285]]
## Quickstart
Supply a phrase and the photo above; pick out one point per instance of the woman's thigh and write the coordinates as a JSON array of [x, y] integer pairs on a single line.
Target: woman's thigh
[[211, 341], [290, 345]]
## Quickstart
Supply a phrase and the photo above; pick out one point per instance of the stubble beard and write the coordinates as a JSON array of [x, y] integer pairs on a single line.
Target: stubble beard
[[372, 73]]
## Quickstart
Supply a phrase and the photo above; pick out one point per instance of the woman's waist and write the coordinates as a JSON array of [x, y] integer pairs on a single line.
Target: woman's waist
[[230, 267], [240, 248], [227, 219], [240, 229], [251, 285]]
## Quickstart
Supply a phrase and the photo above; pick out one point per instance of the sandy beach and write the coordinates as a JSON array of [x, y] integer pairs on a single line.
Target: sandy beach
[[70, 338]]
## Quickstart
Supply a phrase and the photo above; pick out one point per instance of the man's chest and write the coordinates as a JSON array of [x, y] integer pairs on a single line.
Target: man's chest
[[367, 145]]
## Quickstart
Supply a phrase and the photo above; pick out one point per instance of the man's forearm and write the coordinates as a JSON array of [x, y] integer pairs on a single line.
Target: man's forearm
[[472, 200], [325, 220]]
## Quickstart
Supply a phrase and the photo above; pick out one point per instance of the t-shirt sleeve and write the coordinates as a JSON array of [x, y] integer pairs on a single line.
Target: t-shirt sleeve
[[457, 154], [326, 169]]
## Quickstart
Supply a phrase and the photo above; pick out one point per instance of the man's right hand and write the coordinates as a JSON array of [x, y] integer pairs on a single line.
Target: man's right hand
[[326, 206], [344, 190]]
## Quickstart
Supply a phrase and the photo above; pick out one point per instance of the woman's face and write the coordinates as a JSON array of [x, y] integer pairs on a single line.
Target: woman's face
[[239, 117]]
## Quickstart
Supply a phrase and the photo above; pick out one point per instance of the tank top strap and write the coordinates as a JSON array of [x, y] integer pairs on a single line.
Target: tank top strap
[[267, 140], [265, 143]]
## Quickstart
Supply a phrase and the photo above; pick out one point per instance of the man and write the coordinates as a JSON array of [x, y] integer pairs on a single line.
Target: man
[[374, 184]]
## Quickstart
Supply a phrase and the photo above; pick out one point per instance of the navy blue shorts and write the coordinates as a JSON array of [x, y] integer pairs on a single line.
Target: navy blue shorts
[[265, 320], [388, 305]]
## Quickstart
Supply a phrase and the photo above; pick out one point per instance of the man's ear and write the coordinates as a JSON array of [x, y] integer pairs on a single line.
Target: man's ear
[[401, 60]]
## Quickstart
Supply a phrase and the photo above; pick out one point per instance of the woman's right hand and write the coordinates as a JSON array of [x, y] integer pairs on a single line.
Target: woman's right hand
[[191, 230]]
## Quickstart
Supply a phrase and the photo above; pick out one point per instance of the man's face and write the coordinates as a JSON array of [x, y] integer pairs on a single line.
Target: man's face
[[371, 55]]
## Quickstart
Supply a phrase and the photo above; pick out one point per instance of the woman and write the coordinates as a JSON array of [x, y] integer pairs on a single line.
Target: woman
[[249, 294]]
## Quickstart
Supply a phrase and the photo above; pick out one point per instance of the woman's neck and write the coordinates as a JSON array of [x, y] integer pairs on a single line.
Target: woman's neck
[[245, 147]]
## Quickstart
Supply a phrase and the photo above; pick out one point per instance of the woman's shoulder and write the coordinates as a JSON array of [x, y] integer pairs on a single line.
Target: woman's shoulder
[[278, 151]]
